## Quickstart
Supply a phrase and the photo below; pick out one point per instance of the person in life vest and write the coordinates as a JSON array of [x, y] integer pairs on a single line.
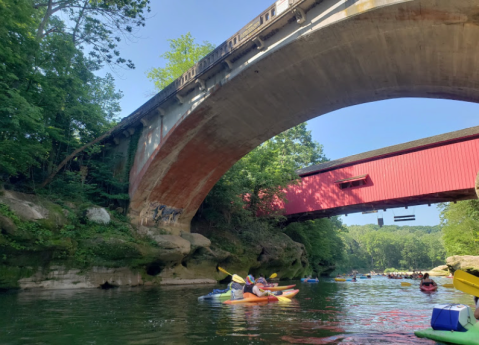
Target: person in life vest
[[252, 288], [261, 280], [236, 287], [476, 312], [426, 281]]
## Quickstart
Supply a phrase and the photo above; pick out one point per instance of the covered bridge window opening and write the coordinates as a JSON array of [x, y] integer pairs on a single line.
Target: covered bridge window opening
[[351, 182]]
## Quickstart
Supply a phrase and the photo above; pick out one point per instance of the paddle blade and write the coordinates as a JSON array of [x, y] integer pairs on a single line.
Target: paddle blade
[[405, 284], [274, 275], [224, 271], [466, 283], [283, 299], [449, 286]]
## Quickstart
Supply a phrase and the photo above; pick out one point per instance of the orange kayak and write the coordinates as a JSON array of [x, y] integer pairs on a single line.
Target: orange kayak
[[276, 288], [251, 298]]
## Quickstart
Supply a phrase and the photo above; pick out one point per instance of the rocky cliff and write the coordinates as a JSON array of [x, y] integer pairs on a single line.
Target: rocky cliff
[[467, 263], [46, 244]]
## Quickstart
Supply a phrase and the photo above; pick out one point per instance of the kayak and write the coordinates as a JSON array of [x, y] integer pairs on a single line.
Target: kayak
[[224, 295], [428, 288], [470, 337], [340, 279], [276, 288], [251, 298], [304, 280]]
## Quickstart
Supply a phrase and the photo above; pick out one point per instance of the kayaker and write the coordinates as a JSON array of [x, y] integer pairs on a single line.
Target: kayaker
[[426, 281], [252, 288], [262, 280], [354, 278], [236, 287], [476, 312]]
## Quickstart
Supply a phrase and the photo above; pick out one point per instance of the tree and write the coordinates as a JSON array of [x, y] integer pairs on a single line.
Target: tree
[[322, 241], [261, 176], [51, 101], [404, 247], [99, 24], [21, 126], [183, 55], [461, 227]]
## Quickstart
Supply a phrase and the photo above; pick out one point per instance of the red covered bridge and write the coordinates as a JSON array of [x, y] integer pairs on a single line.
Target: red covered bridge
[[436, 169]]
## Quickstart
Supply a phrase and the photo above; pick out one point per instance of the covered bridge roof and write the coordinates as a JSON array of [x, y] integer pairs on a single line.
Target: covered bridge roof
[[395, 150]]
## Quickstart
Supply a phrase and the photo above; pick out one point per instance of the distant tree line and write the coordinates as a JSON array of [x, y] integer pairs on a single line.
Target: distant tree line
[[401, 247]]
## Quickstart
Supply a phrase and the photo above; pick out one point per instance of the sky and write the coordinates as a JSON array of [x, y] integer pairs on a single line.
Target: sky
[[343, 133]]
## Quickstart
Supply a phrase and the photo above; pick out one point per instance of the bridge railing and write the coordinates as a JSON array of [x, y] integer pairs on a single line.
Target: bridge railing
[[225, 52]]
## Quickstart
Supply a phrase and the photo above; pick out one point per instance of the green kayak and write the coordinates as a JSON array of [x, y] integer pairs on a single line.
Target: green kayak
[[224, 295], [471, 337]]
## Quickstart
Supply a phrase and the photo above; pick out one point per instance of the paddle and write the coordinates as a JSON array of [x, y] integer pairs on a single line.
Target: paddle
[[224, 271], [466, 283], [445, 285], [280, 298], [274, 275]]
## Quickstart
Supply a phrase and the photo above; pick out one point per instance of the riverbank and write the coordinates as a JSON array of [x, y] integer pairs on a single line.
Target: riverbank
[[65, 245]]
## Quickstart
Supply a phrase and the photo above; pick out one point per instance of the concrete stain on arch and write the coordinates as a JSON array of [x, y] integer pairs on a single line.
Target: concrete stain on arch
[[413, 15]]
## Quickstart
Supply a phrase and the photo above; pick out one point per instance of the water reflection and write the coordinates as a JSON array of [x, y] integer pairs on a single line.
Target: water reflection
[[375, 311]]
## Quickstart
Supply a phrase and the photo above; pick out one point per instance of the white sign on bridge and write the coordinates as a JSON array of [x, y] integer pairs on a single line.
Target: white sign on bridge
[[281, 6]]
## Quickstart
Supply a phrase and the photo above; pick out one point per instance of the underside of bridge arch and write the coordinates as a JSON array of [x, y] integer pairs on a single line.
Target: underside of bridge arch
[[417, 48]]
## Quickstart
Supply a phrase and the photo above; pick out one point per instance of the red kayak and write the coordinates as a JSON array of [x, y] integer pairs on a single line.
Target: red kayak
[[428, 288]]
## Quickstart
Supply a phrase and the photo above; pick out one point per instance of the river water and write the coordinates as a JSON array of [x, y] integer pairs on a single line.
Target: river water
[[373, 311]]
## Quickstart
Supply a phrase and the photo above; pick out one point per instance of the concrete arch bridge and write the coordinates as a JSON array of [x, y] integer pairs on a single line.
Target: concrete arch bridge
[[297, 60]]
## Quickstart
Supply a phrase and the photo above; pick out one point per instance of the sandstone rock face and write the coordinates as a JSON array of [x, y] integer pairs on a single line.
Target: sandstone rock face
[[187, 281], [7, 226], [196, 240], [59, 277], [98, 215], [29, 207], [283, 255], [173, 242], [63, 278], [25, 206], [467, 263], [439, 271]]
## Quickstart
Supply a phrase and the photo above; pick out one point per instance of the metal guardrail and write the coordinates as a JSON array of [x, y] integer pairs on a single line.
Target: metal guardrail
[[223, 53]]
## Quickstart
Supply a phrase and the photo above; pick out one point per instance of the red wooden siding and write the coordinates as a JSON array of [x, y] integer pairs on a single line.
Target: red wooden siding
[[441, 169]]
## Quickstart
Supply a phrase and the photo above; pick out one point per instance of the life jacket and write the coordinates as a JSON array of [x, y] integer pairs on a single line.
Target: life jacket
[[248, 288], [235, 286]]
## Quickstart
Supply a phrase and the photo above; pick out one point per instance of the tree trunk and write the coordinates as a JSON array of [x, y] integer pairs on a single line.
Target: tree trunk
[[73, 154], [41, 27]]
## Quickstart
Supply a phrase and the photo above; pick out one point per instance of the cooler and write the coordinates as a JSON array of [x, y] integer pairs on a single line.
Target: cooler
[[451, 317]]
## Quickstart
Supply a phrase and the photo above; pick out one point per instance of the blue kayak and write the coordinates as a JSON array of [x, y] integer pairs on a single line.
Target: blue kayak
[[304, 280]]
